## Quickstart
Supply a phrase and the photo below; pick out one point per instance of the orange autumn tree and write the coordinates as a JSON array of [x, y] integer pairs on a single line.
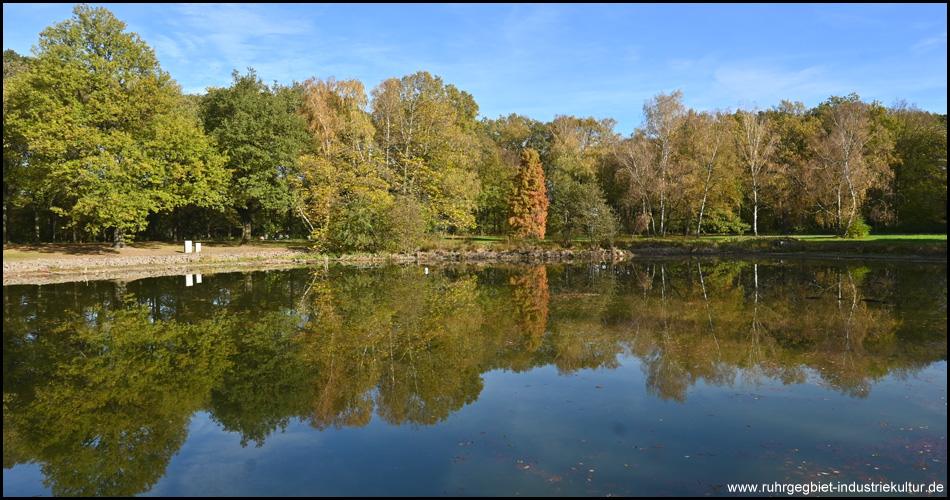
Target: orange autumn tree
[[529, 200]]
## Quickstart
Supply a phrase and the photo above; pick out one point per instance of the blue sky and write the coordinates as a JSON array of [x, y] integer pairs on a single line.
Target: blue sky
[[542, 60]]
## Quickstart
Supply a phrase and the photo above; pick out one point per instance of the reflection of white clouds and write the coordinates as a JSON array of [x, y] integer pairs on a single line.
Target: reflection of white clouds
[[213, 463]]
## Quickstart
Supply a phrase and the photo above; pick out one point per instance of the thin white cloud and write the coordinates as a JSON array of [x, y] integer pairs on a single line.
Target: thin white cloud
[[245, 20], [768, 85], [931, 43]]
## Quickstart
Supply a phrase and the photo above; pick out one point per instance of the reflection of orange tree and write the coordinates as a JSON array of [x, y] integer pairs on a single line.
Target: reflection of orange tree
[[116, 399], [530, 299], [102, 398]]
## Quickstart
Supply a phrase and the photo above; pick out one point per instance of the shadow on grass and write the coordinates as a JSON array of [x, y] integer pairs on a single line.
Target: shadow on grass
[[66, 248]]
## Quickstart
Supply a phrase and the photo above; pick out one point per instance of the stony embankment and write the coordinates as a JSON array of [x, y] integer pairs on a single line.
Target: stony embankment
[[89, 268], [534, 255], [231, 259]]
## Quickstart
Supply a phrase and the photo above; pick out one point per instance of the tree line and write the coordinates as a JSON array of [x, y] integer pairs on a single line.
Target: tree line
[[100, 144]]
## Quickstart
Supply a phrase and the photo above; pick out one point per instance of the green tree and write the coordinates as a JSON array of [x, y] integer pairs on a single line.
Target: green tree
[[260, 130], [580, 210], [529, 200], [92, 112], [426, 130], [920, 169], [577, 157], [14, 149]]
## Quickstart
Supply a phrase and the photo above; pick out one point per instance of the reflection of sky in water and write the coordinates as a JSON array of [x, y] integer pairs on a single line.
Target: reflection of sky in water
[[591, 432], [538, 433], [653, 425], [24, 481]]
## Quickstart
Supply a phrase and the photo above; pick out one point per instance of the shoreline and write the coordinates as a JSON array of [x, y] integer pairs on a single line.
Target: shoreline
[[39, 271]]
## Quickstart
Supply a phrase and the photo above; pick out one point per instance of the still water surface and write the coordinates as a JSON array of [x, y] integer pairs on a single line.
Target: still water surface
[[646, 378]]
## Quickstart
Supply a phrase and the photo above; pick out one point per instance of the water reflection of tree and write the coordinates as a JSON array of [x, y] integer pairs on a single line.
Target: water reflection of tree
[[265, 383], [102, 398], [760, 325], [581, 296], [112, 397], [849, 356], [397, 340], [530, 298], [762, 346]]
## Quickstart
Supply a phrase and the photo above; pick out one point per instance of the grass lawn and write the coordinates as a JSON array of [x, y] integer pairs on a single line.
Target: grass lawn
[[910, 238]]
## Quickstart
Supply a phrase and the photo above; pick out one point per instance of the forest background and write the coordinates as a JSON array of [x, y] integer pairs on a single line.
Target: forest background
[[100, 144]]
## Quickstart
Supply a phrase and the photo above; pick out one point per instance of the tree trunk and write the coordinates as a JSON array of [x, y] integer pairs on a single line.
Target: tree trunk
[[176, 225], [36, 223], [755, 219], [119, 238], [6, 205], [702, 208], [245, 227]]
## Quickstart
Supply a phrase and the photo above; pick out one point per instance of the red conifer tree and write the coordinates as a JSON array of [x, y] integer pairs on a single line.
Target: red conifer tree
[[529, 201]]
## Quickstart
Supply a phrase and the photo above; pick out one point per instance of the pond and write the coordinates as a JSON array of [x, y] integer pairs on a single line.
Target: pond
[[665, 377]]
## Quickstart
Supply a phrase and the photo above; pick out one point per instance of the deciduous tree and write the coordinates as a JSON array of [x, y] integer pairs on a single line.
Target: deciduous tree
[[920, 169], [755, 141], [91, 112], [850, 158], [426, 130], [709, 153], [258, 127]]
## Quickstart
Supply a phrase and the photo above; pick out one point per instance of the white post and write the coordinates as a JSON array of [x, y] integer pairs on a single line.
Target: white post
[[189, 280], [198, 276], [197, 247], [187, 246]]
